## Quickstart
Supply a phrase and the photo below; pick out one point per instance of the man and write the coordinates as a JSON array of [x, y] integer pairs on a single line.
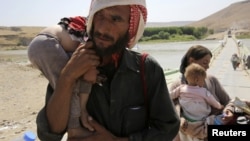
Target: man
[[118, 108], [235, 60]]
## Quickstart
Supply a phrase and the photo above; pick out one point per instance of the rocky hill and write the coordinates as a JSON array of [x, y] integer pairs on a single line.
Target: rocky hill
[[236, 16]]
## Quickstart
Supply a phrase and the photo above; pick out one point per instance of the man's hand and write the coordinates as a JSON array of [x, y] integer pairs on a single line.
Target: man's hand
[[101, 134], [85, 121], [82, 60]]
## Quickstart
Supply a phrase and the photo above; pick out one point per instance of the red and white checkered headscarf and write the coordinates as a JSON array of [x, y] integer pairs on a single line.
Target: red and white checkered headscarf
[[138, 16]]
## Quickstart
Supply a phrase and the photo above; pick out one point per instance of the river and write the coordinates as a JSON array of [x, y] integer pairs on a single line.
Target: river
[[167, 54]]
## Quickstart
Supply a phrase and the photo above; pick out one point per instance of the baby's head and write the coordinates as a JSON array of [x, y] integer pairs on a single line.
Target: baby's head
[[195, 75]]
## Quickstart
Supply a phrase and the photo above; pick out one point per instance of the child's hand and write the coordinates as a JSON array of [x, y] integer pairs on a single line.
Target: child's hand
[[91, 75], [84, 120]]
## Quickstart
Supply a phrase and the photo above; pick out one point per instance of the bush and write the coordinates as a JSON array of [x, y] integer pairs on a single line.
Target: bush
[[164, 35], [15, 29], [155, 37], [169, 33]]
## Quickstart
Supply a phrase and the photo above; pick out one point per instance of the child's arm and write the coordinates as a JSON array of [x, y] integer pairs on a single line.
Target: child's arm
[[84, 90], [212, 101], [175, 93]]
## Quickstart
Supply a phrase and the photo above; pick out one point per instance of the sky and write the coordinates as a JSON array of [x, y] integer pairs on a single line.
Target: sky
[[49, 12]]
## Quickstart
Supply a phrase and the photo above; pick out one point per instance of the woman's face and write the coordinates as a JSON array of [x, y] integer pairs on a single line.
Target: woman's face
[[204, 62]]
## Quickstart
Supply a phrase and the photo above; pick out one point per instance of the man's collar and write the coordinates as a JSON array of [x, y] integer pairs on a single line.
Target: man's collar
[[129, 61]]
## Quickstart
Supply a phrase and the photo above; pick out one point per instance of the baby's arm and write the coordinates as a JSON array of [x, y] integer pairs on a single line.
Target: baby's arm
[[175, 93], [213, 102]]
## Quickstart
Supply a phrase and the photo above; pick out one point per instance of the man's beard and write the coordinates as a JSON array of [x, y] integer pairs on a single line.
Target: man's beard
[[117, 47]]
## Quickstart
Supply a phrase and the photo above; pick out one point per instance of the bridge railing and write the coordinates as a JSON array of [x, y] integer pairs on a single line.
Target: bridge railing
[[215, 53], [244, 53], [172, 74]]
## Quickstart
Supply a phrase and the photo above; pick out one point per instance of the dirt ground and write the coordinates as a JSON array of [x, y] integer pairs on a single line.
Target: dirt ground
[[22, 92]]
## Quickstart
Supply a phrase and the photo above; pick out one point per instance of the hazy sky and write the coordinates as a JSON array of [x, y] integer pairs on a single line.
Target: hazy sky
[[49, 12]]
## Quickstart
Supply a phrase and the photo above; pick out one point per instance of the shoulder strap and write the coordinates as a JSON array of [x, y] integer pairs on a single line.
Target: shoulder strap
[[142, 67]]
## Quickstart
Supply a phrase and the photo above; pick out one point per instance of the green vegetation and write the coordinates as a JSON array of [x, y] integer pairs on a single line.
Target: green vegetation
[[170, 34], [12, 38], [243, 36]]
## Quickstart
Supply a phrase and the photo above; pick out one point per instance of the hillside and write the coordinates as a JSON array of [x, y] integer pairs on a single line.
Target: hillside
[[17, 36], [235, 16]]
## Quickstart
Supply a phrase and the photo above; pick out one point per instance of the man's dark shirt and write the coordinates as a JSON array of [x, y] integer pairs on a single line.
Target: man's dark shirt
[[119, 103]]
